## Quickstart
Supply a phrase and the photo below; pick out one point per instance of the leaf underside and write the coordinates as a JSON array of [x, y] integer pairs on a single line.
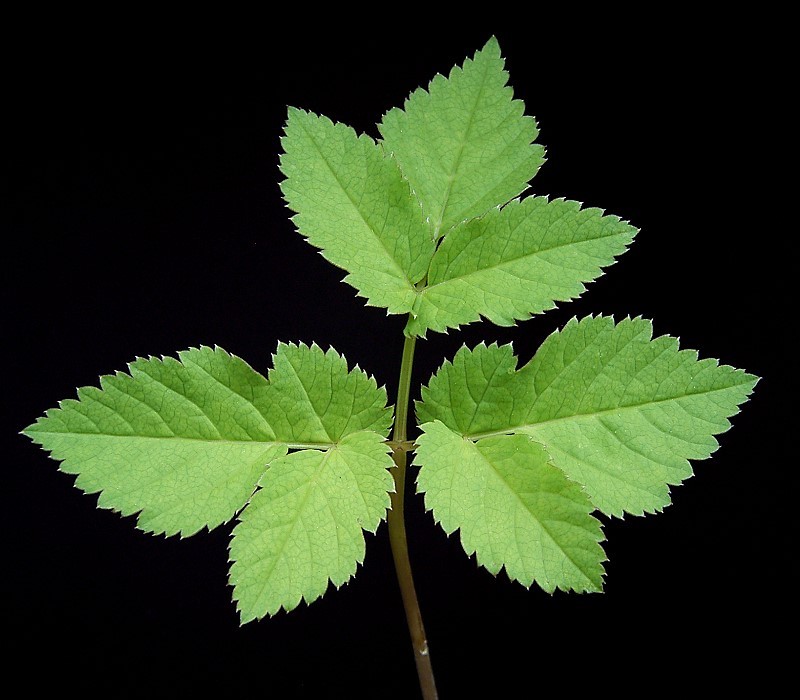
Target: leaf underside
[[185, 444]]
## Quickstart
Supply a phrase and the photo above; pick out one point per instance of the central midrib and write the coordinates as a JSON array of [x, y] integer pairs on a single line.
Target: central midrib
[[299, 514], [308, 398], [592, 414], [290, 445], [459, 155], [509, 261]]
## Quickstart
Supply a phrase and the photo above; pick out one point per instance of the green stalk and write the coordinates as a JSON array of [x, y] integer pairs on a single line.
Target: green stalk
[[397, 529]]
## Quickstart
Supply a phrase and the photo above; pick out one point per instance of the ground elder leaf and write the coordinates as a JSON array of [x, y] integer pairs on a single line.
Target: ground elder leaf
[[183, 442], [354, 205], [314, 398], [303, 528], [464, 144], [517, 261], [514, 509], [618, 411]]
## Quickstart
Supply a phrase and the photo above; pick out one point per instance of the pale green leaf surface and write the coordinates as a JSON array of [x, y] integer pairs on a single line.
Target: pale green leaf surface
[[313, 398], [513, 509], [517, 261], [464, 144], [303, 527], [184, 443], [353, 203], [618, 411]]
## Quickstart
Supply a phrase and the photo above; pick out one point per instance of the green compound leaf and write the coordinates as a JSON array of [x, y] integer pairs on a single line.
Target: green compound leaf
[[514, 509], [517, 261], [304, 526], [617, 411], [184, 443], [353, 204], [464, 144]]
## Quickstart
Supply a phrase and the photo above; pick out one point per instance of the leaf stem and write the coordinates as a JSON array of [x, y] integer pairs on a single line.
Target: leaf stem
[[397, 529], [400, 433]]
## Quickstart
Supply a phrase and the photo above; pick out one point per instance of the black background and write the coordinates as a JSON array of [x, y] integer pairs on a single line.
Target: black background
[[145, 217]]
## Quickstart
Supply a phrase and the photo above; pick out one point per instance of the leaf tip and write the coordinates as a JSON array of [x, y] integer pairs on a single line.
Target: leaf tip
[[492, 46]]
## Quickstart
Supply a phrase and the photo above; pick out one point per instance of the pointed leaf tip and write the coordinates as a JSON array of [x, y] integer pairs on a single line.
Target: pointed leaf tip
[[492, 46]]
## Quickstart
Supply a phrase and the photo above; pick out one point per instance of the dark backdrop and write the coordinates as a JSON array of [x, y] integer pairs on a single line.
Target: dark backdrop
[[145, 217]]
